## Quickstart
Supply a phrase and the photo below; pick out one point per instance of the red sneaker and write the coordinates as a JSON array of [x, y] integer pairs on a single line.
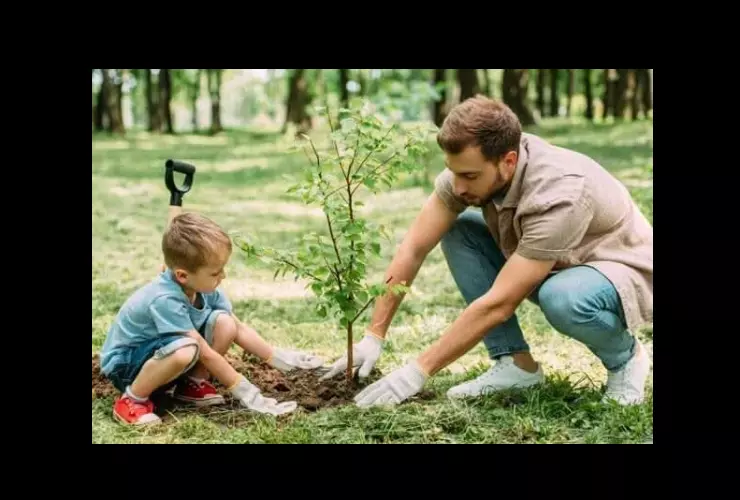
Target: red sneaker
[[129, 411], [199, 394]]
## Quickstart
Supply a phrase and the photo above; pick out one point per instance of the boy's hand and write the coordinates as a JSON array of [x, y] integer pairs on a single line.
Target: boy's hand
[[287, 360], [365, 354], [250, 396]]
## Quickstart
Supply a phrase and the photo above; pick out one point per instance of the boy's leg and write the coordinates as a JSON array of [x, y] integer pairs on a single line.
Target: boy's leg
[[144, 370], [583, 304], [220, 332], [474, 261]]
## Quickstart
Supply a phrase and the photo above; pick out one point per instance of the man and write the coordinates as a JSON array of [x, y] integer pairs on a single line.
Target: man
[[554, 227]]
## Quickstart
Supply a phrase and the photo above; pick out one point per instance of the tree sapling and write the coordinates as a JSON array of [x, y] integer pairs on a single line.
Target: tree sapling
[[362, 152]]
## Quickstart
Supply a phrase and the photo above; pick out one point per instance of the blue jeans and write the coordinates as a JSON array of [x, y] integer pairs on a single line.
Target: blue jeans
[[129, 362], [579, 302]]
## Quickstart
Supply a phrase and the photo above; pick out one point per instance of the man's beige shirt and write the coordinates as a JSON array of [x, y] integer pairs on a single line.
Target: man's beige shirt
[[563, 206]]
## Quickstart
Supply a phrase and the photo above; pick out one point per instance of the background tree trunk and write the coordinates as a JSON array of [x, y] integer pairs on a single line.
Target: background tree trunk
[[438, 113], [541, 73], [621, 94], [165, 95], [468, 80], [514, 90], [112, 107], [214, 89], [554, 94], [343, 92], [152, 102], [571, 90], [588, 89]]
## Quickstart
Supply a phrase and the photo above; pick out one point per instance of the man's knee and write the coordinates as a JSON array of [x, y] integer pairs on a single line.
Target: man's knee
[[562, 305]]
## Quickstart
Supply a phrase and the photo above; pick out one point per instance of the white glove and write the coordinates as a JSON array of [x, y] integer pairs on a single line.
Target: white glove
[[287, 360], [395, 387], [250, 396], [365, 354]]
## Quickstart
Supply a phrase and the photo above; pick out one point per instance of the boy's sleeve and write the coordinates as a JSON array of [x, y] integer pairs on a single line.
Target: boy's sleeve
[[220, 301], [170, 315]]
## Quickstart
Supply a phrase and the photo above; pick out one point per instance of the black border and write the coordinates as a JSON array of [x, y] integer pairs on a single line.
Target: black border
[[689, 246]]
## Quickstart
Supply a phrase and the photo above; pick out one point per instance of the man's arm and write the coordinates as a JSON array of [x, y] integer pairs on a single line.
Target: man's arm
[[515, 282], [433, 221]]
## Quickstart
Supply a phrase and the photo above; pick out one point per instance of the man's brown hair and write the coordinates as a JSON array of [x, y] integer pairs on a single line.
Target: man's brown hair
[[190, 240], [481, 121]]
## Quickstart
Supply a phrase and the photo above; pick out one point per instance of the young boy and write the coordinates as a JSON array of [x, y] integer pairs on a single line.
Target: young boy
[[176, 329]]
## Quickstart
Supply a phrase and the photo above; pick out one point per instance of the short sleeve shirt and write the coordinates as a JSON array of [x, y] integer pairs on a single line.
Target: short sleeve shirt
[[562, 205], [158, 308]]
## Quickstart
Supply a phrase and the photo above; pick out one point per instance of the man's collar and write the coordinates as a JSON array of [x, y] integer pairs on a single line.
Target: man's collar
[[514, 192]]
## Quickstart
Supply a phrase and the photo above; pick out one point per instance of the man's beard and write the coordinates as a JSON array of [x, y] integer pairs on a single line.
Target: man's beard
[[495, 193]]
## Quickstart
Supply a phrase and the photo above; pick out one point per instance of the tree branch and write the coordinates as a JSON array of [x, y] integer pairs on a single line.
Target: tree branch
[[285, 261], [336, 148], [328, 220], [359, 183], [376, 147], [370, 301]]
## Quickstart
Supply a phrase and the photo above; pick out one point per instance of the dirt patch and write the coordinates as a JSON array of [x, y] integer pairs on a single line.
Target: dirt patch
[[301, 386], [101, 386]]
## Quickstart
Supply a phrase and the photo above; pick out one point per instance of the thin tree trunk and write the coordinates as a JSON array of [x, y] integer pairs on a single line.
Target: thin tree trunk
[[646, 90], [468, 80], [439, 107], [214, 89], [554, 94], [608, 94], [298, 100], [99, 117], [571, 90], [119, 92], [165, 95], [621, 93], [152, 103], [194, 95], [634, 84], [514, 90], [343, 91], [541, 74], [487, 83], [362, 80], [112, 106], [589, 94]]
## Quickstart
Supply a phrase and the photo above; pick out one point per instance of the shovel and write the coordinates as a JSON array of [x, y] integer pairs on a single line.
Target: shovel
[[176, 193]]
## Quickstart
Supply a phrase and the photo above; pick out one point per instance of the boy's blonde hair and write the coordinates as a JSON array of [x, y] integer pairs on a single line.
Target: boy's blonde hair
[[190, 240]]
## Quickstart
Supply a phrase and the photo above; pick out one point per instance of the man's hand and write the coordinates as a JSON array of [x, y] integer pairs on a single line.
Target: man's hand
[[365, 354], [394, 387], [287, 360]]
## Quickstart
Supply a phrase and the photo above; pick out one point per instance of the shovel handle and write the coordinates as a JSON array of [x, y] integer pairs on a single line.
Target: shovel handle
[[176, 193]]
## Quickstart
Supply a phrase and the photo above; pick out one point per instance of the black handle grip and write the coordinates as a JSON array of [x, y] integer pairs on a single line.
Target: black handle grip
[[180, 166], [176, 193]]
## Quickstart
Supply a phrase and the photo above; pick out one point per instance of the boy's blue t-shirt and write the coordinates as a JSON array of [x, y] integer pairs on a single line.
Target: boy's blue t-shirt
[[158, 308]]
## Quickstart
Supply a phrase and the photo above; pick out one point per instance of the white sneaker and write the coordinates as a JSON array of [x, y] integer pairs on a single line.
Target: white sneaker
[[627, 386], [503, 375]]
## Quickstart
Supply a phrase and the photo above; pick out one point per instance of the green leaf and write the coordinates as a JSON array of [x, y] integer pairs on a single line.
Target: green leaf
[[375, 247]]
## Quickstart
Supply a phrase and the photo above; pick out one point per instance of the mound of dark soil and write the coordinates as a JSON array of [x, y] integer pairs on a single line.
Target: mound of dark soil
[[301, 386]]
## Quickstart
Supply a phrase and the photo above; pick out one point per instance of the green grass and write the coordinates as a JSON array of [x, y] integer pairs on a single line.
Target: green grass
[[239, 183]]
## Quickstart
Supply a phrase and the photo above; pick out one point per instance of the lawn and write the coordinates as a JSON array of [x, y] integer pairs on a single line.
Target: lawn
[[240, 183]]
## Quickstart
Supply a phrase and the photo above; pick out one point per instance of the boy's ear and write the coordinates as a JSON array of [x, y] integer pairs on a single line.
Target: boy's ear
[[181, 275]]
